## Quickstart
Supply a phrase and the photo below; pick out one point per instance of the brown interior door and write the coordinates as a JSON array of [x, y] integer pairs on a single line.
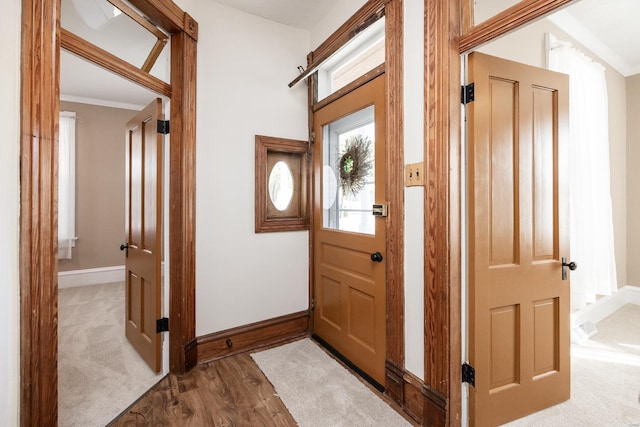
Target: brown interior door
[[518, 234], [349, 242], [144, 233]]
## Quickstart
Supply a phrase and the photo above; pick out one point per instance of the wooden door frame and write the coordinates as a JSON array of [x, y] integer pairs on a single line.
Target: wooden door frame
[[40, 90], [448, 34]]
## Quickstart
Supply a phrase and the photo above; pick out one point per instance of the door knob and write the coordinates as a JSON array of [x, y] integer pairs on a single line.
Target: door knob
[[125, 247], [376, 257], [571, 265]]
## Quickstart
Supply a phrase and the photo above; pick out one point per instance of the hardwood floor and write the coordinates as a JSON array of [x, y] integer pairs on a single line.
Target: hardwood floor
[[226, 392]]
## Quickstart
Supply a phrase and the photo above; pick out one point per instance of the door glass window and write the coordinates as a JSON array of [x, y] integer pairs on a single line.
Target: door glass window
[[348, 173]]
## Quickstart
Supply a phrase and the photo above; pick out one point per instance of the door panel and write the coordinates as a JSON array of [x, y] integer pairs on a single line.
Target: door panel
[[518, 232], [143, 231], [350, 288]]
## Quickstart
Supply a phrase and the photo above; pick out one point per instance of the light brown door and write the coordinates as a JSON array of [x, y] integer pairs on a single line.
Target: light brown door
[[349, 241], [518, 234], [144, 233]]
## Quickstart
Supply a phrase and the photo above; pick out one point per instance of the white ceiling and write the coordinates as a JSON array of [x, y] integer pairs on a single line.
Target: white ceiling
[[608, 28], [296, 13]]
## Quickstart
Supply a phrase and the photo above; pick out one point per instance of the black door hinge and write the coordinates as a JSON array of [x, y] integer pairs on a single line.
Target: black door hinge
[[467, 93], [163, 127], [313, 303], [162, 325], [468, 374]]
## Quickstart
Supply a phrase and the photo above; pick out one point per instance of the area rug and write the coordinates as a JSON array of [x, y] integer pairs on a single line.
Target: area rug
[[318, 391]]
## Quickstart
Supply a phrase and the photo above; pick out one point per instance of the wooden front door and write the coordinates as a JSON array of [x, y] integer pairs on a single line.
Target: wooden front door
[[518, 234], [143, 228], [349, 241]]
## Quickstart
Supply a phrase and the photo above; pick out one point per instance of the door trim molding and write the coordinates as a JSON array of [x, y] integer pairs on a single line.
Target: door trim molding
[[442, 389], [394, 60], [509, 19], [40, 74], [40, 71]]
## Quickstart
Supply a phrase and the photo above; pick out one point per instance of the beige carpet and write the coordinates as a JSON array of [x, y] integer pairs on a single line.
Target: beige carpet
[[318, 391], [99, 373], [605, 378]]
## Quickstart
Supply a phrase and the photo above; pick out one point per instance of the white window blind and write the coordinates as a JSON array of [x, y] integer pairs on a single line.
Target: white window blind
[[66, 184]]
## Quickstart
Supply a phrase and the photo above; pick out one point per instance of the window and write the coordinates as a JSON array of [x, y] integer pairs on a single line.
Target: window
[[66, 184], [281, 184], [349, 159], [359, 56]]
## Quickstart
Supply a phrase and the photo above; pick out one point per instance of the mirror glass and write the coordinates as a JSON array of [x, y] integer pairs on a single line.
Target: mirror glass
[[281, 186]]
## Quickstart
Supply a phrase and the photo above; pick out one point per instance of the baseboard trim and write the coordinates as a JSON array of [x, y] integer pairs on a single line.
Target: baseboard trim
[[413, 403], [394, 384], [90, 276], [251, 337], [606, 306], [191, 355], [435, 407], [409, 392]]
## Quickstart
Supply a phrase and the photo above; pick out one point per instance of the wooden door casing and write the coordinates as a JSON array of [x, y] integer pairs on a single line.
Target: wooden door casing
[[349, 288], [40, 92], [518, 233], [144, 233]]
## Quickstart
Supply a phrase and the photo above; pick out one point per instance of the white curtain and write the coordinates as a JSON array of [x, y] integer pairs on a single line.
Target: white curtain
[[591, 220], [66, 184]]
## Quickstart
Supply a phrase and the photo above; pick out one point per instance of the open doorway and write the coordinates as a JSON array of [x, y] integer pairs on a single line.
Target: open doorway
[[95, 357], [38, 281], [527, 45]]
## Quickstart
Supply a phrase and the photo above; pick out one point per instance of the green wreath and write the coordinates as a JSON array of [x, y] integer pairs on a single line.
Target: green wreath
[[355, 164]]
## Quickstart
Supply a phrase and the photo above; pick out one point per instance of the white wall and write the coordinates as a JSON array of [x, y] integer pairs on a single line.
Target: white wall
[[332, 20], [244, 65], [414, 196], [9, 226]]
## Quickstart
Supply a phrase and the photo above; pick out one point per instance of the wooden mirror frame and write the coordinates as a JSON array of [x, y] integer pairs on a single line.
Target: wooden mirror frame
[[40, 90], [295, 154]]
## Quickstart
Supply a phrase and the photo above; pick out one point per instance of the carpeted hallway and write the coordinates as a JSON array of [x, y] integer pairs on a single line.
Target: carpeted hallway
[[99, 373]]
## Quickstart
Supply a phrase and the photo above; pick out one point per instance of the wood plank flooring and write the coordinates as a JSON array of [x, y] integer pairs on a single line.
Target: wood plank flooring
[[227, 392]]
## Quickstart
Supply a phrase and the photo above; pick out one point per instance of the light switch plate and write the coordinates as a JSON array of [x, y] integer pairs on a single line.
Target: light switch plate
[[414, 174]]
